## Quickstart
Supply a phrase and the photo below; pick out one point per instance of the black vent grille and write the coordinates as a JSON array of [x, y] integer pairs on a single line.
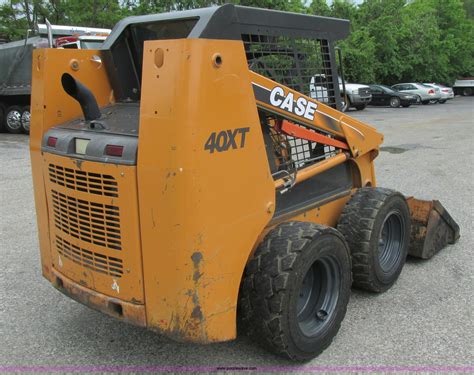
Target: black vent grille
[[89, 259], [92, 222], [87, 182]]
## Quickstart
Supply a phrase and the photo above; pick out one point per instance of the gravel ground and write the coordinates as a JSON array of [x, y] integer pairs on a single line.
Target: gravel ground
[[424, 320]]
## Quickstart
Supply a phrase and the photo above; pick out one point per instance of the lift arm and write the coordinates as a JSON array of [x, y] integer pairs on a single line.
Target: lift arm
[[301, 109]]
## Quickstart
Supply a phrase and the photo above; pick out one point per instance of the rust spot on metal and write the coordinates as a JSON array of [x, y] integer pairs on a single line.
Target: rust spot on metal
[[197, 314], [196, 258], [78, 163]]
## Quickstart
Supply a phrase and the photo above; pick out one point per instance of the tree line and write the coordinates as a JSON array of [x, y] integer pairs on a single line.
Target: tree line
[[391, 40]]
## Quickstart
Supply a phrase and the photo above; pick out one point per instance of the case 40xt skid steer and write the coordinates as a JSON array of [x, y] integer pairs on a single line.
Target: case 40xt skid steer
[[188, 176]]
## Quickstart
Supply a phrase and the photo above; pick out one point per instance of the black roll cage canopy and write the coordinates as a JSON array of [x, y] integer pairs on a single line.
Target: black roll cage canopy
[[122, 50]]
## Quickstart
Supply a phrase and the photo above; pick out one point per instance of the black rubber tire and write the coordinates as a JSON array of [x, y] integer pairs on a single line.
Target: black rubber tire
[[13, 130], [2, 118], [362, 221], [406, 105], [346, 103], [360, 107], [468, 91], [270, 290], [394, 102], [425, 102], [25, 119], [442, 101]]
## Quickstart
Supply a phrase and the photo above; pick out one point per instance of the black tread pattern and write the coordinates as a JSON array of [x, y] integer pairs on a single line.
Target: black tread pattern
[[266, 280], [356, 224]]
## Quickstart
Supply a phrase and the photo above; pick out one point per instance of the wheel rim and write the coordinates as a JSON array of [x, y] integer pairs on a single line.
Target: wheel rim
[[25, 120], [391, 241], [345, 107], [394, 102], [14, 120], [319, 293]]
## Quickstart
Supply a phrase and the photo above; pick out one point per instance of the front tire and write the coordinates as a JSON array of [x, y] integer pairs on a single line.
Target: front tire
[[394, 102], [346, 103], [2, 118], [13, 119], [360, 107], [295, 290], [25, 120], [376, 225]]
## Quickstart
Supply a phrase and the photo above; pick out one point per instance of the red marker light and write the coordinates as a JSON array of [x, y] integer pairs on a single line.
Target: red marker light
[[52, 141], [114, 150], [431, 92]]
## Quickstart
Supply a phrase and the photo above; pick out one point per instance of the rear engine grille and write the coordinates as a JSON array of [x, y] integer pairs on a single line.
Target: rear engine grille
[[87, 182], [92, 222], [94, 261]]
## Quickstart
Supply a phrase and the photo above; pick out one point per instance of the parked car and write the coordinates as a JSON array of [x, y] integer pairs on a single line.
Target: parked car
[[447, 93], [424, 94], [358, 95], [437, 92], [384, 95]]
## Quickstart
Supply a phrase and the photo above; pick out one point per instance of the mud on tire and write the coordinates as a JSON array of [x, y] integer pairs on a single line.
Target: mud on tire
[[276, 309], [376, 224]]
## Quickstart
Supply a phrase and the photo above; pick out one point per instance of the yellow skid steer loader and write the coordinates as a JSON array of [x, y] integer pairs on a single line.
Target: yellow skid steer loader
[[193, 174]]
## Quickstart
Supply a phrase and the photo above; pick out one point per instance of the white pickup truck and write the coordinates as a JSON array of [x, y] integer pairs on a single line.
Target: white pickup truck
[[358, 96], [464, 86]]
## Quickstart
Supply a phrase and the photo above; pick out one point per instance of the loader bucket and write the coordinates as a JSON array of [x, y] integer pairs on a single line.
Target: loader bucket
[[432, 228]]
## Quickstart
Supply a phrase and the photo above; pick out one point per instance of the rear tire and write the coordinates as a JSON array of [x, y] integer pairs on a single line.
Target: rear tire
[[13, 119], [394, 102], [376, 225], [360, 107], [295, 290], [467, 91], [442, 101]]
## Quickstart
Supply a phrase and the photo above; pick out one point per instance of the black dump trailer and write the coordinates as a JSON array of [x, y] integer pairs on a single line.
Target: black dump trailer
[[15, 69], [15, 83]]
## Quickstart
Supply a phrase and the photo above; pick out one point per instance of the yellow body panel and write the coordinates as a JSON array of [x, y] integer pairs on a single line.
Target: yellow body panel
[[95, 237], [191, 216], [201, 212], [51, 106]]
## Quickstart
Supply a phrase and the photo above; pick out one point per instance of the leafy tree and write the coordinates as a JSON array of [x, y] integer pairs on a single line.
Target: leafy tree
[[390, 41]]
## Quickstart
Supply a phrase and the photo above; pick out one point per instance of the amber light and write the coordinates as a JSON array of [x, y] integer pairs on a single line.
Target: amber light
[[114, 150], [52, 141]]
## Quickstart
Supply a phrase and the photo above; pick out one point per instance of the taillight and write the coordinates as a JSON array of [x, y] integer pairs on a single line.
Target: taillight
[[431, 92], [445, 90], [114, 150], [52, 141]]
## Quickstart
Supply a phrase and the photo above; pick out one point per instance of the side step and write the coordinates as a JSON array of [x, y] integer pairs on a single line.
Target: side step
[[432, 228]]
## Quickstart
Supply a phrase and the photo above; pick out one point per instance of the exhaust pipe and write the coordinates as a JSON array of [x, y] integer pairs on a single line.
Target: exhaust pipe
[[83, 95]]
